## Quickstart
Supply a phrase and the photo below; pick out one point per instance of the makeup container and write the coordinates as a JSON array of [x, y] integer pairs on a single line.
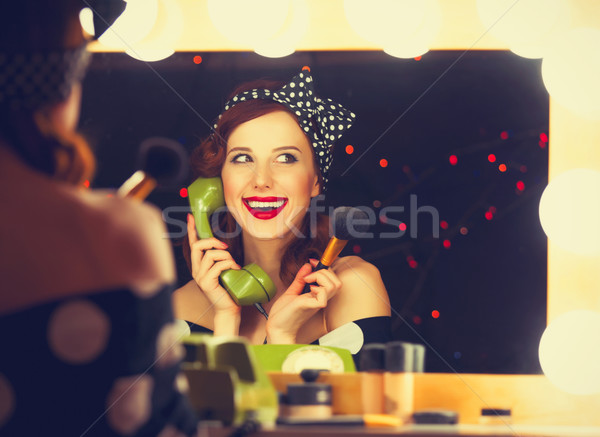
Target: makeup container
[[309, 399], [372, 369], [402, 361], [495, 416]]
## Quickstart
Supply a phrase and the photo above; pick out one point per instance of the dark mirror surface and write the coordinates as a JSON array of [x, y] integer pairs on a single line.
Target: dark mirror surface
[[456, 233]]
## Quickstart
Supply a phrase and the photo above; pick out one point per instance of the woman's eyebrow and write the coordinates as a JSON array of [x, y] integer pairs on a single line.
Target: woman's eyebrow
[[276, 149], [286, 147], [239, 149]]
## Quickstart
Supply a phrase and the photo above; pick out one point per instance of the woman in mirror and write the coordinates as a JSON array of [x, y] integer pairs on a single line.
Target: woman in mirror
[[272, 146], [88, 335]]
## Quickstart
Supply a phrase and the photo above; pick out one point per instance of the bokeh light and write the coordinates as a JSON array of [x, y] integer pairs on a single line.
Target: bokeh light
[[383, 163], [569, 211], [464, 230], [349, 149], [162, 39], [504, 135], [403, 28], [502, 167], [528, 27], [453, 159], [520, 185], [444, 224], [569, 352], [356, 249], [570, 71], [447, 244], [197, 59], [435, 314], [183, 192], [248, 22], [86, 18], [284, 42], [402, 227], [134, 24], [492, 157]]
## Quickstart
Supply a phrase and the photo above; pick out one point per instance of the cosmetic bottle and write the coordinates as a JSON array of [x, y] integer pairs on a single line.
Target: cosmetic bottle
[[372, 368]]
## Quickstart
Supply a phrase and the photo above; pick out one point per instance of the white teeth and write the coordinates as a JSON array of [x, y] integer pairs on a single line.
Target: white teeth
[[255, 204]]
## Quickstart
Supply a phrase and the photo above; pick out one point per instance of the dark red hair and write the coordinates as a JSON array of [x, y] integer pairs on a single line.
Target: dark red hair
[[207, 161]]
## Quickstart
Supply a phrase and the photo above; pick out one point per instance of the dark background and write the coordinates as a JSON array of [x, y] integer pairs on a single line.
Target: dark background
[[489, 285]]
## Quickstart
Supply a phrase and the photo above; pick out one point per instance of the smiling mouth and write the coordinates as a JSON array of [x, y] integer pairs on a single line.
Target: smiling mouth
[[265, 208]]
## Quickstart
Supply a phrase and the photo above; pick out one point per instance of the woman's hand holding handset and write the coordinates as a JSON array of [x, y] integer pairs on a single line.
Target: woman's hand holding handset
[[293, 309], [209, 258]]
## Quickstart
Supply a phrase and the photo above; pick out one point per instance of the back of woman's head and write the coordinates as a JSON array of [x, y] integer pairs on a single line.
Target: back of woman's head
[[34, 38]]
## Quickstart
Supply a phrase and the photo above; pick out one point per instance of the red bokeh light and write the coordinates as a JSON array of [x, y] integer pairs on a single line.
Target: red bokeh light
[[447, 244], [504, 135], [542, 145], [417, 320], [402, 227], [383, 163], [520, 185], [197, 59], [544, 137], [413, 264], [502, 167], [444, 224], [435, 314], [489, 215], [418, 58], [183, 192], [86, 184], [349, 149], [453, 159], [356, 248], [307, 68], [492, 157]]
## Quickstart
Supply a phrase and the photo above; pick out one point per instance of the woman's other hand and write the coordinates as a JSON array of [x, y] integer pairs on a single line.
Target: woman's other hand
[[209, 258], [293, 309]]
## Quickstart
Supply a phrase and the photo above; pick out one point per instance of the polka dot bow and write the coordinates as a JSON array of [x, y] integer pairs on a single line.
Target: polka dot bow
[[323, 120], [31, 80]]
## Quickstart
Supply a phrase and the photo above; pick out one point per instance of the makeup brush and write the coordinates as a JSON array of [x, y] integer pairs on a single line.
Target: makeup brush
[[162, 162], [346, 223]]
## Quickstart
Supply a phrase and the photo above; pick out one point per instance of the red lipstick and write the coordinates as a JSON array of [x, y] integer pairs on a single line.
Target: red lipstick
[[264, 215]]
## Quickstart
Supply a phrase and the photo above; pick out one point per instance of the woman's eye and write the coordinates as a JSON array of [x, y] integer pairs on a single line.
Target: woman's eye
[[241, 158], [286, 158]]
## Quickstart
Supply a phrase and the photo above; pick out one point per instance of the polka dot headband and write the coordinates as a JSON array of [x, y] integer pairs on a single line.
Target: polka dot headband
[[31, 80], [323, 120]]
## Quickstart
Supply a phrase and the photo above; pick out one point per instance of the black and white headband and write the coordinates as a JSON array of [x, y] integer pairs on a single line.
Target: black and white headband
[[323, 120], [29, 80]]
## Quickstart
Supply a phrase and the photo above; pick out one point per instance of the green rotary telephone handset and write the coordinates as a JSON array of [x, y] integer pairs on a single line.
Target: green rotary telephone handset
[[247, 286]]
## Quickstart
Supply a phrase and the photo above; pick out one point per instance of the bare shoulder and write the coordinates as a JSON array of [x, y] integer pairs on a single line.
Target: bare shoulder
[[132, 237], [362, 294]]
